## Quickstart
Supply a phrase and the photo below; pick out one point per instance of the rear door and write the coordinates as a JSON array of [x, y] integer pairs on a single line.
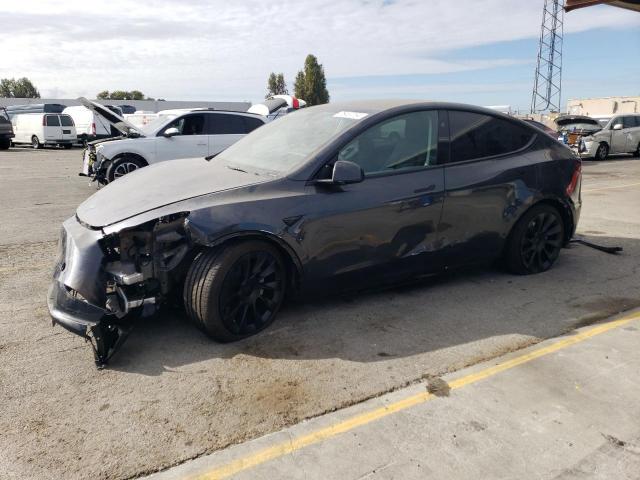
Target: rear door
[[487, 181], [68, 128], [52, 128], [191, 141], [225, 130]]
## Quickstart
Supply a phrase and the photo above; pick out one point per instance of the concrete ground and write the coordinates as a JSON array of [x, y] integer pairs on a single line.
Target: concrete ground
[[171, 394], [536, 413]]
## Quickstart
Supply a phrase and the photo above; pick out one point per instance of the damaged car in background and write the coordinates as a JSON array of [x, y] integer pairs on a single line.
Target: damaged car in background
[[621, 134], [334, 196], [192, 133], [573, 128]]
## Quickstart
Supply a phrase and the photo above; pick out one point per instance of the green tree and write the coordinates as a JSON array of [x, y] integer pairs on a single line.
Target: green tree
[[310, 84], [276, 85], [136, 95], [122, 95], [20, 88]]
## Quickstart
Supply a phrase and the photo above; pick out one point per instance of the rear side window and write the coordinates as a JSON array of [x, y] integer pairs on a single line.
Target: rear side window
[[630, 122], [66, 121], [474, 135], [250, 124], [226, 124], [52, 121]]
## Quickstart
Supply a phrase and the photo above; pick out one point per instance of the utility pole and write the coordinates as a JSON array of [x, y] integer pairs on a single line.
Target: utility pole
[[547, 85]]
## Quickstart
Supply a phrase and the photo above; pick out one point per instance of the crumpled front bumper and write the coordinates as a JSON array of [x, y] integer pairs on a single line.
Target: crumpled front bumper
[[69, 312], [77, 295]]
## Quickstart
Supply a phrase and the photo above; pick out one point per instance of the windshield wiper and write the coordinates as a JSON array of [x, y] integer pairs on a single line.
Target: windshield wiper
[[208, 158], [236, 168]]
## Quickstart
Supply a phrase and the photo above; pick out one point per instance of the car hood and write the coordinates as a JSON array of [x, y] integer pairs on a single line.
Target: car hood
[[159, 185], [117, 121]]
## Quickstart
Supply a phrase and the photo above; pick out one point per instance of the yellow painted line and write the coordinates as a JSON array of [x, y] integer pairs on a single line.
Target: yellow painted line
[[586, 190], [285, 448]]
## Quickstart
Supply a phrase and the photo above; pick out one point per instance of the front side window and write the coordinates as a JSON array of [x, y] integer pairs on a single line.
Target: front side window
[[66, 121], [475, 135], [616, 121], [187, 125], [403, 142], [52, 121]]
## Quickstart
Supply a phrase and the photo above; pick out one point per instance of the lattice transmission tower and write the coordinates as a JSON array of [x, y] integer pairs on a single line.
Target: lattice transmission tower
[[547, 85]]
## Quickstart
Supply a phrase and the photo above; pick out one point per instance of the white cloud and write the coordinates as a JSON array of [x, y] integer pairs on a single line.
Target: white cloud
[[198, 49]]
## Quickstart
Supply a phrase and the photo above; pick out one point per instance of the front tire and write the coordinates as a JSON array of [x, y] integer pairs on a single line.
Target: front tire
[[35, 143], [536, 240], [122, 166], [602, 151], [236, 292]]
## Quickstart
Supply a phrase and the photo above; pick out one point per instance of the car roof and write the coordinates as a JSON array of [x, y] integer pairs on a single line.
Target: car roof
[[378, 106]]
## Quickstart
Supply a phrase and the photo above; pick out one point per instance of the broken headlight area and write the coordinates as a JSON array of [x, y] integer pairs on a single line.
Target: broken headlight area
[[138, 270]]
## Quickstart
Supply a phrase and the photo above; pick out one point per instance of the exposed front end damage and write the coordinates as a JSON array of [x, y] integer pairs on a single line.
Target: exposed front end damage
[[102, 283]]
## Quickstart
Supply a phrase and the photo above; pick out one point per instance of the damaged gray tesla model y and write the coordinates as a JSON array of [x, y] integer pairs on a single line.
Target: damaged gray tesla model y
[[334, 195]]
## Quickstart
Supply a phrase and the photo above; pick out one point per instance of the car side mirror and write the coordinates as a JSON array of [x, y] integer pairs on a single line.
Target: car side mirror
[[344, 172], [171, 132], [617, 126]]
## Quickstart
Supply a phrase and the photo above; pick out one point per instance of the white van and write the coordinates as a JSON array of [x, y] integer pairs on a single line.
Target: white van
[[89, 126], [44, 129]]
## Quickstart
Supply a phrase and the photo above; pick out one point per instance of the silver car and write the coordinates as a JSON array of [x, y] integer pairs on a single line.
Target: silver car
[[620, 135]]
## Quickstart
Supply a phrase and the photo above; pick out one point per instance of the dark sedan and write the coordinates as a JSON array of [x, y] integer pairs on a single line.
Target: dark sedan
[[334, 195]]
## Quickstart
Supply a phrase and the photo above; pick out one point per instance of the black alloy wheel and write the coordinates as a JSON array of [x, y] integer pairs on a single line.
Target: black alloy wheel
[[251, 293], [236, 291], [542, 242], [536, 240]]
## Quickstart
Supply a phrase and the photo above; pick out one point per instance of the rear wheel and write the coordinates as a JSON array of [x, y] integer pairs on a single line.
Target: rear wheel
[[67, 145], [536, 240], [121, 166], [35, 142], [602, 151], [236, 292], [5, 143], [637, 152]]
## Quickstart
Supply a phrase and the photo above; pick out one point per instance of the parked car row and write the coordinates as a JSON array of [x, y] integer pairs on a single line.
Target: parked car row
[[332, 196]]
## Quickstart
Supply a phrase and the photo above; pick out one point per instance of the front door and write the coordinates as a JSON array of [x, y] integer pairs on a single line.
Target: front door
[[618, 137], [191, 140], [387, 224]]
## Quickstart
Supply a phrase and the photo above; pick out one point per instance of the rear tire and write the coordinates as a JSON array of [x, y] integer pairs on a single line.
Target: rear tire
[[236, 292], [535, 242], [35, 143], [5, 143], [602, 151], [67, 146], [122, 166], [637, 152]]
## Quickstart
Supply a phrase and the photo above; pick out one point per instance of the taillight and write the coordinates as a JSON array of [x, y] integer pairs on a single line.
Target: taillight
[[93, 128], [575, 178], [44, 121]]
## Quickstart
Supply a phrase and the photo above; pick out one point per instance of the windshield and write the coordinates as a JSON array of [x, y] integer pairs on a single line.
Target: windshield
[[150, 128], [286, 143], [579, 126]]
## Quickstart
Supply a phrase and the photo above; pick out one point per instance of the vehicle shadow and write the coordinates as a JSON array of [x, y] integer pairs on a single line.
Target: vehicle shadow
[[428, 315]]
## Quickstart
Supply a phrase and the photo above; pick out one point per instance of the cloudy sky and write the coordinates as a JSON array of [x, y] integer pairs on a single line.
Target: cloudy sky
[[477, 51]]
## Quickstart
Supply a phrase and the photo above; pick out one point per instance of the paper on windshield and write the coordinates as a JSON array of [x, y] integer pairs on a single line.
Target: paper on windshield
[[351, 115]]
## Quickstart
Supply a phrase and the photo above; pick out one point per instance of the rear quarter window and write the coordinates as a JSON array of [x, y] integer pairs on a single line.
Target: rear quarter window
[[475, 135], [226, 124]]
